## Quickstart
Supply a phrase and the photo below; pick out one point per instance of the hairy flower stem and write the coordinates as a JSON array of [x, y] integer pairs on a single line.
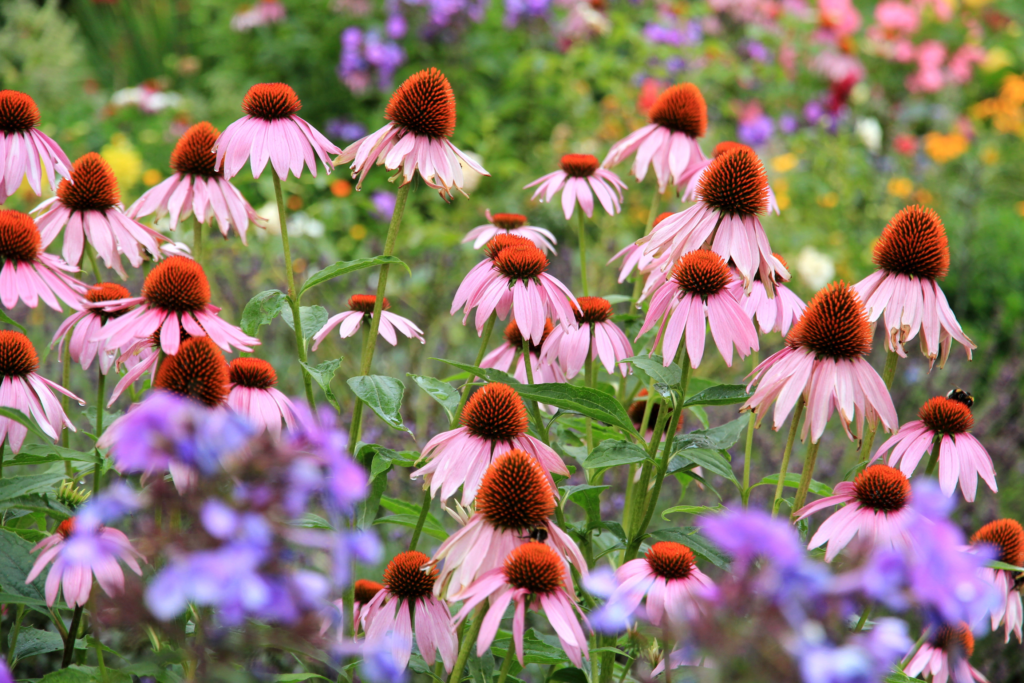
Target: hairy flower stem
[[293, 294], [101, 396], [485, 337], [934, 459], [638, 283], [805, 477], [888, 374], [467, 643], [591, 382], [506, 664], [582, 232], [424, 511], [69, 642], [541, 432], [865, 615], [378, 306], [751, 426], [197, 240], [793, 428]]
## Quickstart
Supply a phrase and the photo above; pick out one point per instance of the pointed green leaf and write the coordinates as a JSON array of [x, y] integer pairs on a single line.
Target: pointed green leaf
[[792, 481], [442, 392], [6, 320], [383, 395], [613, 452], [261, 310], [721, 395], [313, 318], [343, 267], [323, 374], [653, 367]]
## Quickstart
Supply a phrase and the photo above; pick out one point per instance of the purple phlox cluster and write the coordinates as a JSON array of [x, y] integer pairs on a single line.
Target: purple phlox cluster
[[612, 616], [5, 673], [864, 658], [344, 130], [755, 130], [365, 54], [328, 471], [344, 548], [383, 204], [116, 501], [524, 10], [445, 13], [377, 664], [758, 52], [669, 30]]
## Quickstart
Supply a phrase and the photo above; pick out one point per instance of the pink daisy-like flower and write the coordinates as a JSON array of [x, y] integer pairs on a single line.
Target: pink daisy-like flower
[[669, 142], [78, 553], [877, 506], [533, 570], [823, 362], [422, 119], [80, 329], [89, 209], [698, 291], [514, 503], [175, 297], [364, 591], [253, 395], [545, 371], [667, 575], [961, 456], [570, 346], [361, 310], [633, 256], [580, 178], [408, 596], [692, 179], [494, 421], [22, 146], [270, 131], [25, 390], [513, 279], [733, 190], [772, 315], [197, 187], [945, 657], [1007, 537], [912, 255], [510, 224], [29, 273]]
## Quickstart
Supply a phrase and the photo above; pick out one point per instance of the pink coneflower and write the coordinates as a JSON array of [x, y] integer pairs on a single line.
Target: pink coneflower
[[480, 273], [669, 142], [912, 255], [89, 209], [514, 502], [633, 256], [1007, 537], [510, 224], [945, 657], [961, 456], [580, 178], [197, 187], [533, 574], [772, 315], [668, 576], [408, 587], [80, 329], [733, 190], [175, 296], [197, 372], [876, 506], [422, 119], [25, 390], [363, 592], [545, 371], [270, 131], [698, 291], [516, 282], [137, 358], [80, 553], [29, 273], [264, 12], [610, 344], [252, 394], [823, 363], [22, 146], [494, 421], [692, 179], [360, 311]]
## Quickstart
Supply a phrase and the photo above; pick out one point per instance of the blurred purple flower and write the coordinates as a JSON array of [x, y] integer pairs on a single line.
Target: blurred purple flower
[[867, 658], [756, 130], [747, 535], [788, 124], [344, 130], [115, 501], [675, 64], [666, 35], [520, 10], [758, 52], [395, 26], [383, 204], [813, 111], [5, 673], [361, 53], [344, 482]]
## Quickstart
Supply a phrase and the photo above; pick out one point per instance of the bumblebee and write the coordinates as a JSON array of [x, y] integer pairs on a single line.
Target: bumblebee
[[960, 396], [538, 534]]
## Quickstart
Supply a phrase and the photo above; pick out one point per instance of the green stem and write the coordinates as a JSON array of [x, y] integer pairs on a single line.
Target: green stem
[[805, 477], [92, 260], [101, 396], [378, 306], [914, 650], [793, 428], [13, 638], [424, 510], [485, 337], [69, 642], [652, 213], [467, 643], [506, 664], [888, 375], [293, 293], [591, 382], [197, 240], [541, 432], [864, 617], [582, 232], [751, 426], [934, 459]]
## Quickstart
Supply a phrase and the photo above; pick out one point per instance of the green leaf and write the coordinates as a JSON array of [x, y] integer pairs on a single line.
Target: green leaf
[[16, 560], [41, 453], [717, 438], [442, 392], [535, 649], [613, 452], [652, 366], [721, 395], [702, 415], [14, 487], [261, 310], [69, 675], [323, 374], [14, 599], [687, 510], [312, 317], [569, 674], [6, 320], [587, 496], [692, 539], [24, 419], [298, 678], [32, 641], [431, 526], [343, 267], [708, 458], [383, 460], [312, 521], [384, 395], [792, 481], [995, 564]]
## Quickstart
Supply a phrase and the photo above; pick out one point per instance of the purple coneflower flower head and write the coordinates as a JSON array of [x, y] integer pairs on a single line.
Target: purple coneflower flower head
[[1006, 538], [580, 179], [693, 177], [79, 329], [253, 395], [596, 333], [667, 575], [360, 311], [29, 274], [23, 145], [945, 657], [545, 369], [771, 315], [510, 224]]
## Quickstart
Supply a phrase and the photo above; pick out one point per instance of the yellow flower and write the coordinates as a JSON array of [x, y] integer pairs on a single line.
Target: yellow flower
[[357, 231], [783, 200], [829, 200], [989, 156], [900, 187], [943, 148], [151, 177], [1012, 90], [784, 163], [125, 161], [1020, 208], [995, 59], [924, 197]]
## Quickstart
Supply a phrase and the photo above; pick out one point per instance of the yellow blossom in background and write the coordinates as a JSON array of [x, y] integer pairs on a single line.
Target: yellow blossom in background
[[924, 197], [151, 177], [989, 156], [357, 231], [784, 163], [943, 148], [783, 201], [995, 59], [125, 161], [900, 187], [829, 200], [1020, 209]]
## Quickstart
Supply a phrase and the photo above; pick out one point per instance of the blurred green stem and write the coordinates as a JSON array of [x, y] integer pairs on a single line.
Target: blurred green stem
[[582, 232], [751, 426], [65, 380], [293, 294], [805, 477], [378, 305], [541, 432], [793, 428], [506, 664], [13, 637], [101, 395], [935, 455], [638, 283], [424, 510], [485, 337], [467, 643], [69, 642], [864, 617], [888, 374], [92, 260], [197, 240]]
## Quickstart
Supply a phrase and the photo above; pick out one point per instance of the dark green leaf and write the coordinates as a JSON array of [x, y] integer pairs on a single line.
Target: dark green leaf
[[587, 496], [261, 310], [343, 267], [569, 674], [687, 510], [323, 374], [792, 481], [14, 487], [710, 459], [6, 320], [16, 561], [653, 367], [32, 641], [25, 420], [692, 539], [313, 318], [70, 675], [442, 392], [431, 526], [721, 395], [312, 521], [717, 438], [535, 648], [613, 452], [481, 669], [41, 453], [383, 395]]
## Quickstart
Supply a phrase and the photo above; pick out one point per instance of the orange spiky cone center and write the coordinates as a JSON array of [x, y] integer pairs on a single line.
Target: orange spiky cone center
[[946, 416], [955, 639], [17, 355], [254, 373], [407, 576], [702, 273], [835, 325], [365, 590], [670, 560], [681, 108], [19, 236], [508, 221], [501, 242], [364, 303], [18, 112], [95, 187], [1007, 536], [914, 243], [521, 262], [514, 336], [735, 183], [193, 154], [198, 371], [495, 412], [514, 493], [580, 165], [424, 104], [177, 284], [882, 488], [271, 101], [534, 567], [592, 309]]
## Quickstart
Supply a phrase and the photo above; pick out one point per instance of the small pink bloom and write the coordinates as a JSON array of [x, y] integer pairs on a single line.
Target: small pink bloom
[[697, 296], [80, 328], [254, 397], [263, 13], [839, 16], [22, 146], [668, 577], [579, 179], [772, 315], [693, 178], [545, 370], [361, 305], [897, 17], [510, 224], [945, 657], [364, 592], [29, 273], [1007, 538], [271, 131], [596, 334], [633, 256]]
